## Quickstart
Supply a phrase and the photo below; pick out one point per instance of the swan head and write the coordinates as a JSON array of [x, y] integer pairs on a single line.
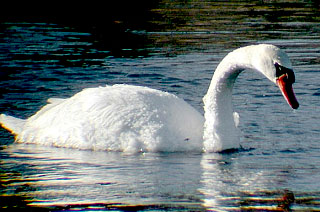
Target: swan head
[[275, 64]]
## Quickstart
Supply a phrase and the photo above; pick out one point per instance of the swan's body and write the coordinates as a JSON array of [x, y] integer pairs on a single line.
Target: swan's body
[[118, 118], [134, 118]]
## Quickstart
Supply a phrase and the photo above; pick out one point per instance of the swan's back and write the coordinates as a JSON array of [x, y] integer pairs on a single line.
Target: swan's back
[[117, 118]]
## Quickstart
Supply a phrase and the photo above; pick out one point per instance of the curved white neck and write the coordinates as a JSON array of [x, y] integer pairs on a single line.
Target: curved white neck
[[220, 132]]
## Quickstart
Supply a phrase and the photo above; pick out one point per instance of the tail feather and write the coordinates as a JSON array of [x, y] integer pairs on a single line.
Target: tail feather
[[12, 124]]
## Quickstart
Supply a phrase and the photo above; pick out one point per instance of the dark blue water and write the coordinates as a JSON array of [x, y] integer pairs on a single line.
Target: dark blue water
[[175, 50]]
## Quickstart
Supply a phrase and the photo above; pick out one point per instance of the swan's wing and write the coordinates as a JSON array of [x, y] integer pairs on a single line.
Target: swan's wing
[[119, 118], [55, 100]]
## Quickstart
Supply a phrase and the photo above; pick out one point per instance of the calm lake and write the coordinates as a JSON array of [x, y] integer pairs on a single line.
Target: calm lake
[[173, 46]]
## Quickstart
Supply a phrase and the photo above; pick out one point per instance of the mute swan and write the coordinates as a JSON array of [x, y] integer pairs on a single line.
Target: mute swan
[[134, 118]]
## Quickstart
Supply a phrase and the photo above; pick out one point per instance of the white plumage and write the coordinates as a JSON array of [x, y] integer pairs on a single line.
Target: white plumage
[[134, 118], [117, 118]]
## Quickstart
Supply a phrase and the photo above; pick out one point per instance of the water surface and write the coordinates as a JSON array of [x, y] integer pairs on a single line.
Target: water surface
[[176, 49]]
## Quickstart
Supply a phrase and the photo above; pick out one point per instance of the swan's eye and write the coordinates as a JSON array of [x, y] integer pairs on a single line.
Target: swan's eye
[[281, 70]]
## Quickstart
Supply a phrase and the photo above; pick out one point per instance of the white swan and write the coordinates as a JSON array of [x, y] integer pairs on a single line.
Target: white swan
[[132, 118]]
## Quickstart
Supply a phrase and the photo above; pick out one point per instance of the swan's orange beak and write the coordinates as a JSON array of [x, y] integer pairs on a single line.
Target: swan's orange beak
[[287, 91]]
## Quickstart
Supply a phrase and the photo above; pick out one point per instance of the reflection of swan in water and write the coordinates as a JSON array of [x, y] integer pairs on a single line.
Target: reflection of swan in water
[[232, 182], [225, 177], [132, 118], [66, 176], [222, 179]]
